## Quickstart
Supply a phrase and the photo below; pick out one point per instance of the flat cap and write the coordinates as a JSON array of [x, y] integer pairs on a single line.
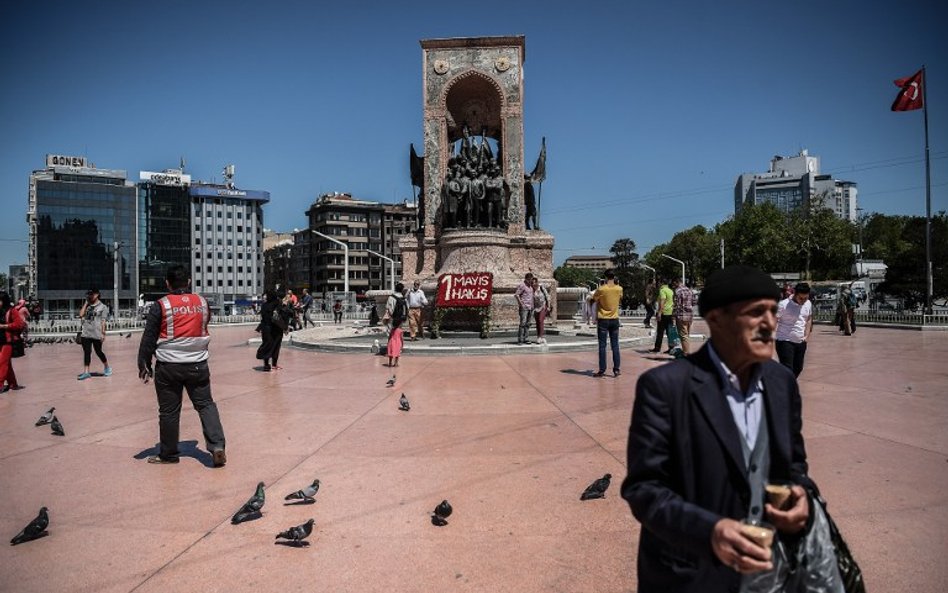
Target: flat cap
[[734, 284]]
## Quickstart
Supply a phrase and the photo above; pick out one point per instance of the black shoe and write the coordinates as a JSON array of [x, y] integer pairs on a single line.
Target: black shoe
[[655, 350], [599, 374], [266, 368], [616, 372], [220, 458], [163, 460]]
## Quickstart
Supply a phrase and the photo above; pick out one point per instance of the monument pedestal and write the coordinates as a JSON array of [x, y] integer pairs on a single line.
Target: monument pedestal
[[508, 256]]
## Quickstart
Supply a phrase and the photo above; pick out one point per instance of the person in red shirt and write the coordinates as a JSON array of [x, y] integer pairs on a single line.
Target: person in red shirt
[[12, 328], [176, 335]]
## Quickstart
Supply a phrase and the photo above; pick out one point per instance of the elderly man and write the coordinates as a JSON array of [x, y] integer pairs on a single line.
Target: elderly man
[[708, 433]]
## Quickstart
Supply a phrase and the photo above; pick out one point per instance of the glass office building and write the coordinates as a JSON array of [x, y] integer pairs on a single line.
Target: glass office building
[[164, 223], [78, 215]]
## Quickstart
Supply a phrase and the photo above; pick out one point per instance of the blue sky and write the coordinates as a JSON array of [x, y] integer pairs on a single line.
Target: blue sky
[[650, 109]]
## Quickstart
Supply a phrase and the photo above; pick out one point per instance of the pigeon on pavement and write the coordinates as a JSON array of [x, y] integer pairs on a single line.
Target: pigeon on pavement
[[57, 427], [597, 489], [46, 418], [306, 494], [297, 534], [35, 530], [390, 382], [403, 404], [251, 508], [444, 509], [438, 521]]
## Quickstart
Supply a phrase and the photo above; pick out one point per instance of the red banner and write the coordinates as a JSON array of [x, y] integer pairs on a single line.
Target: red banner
[[471, 289]]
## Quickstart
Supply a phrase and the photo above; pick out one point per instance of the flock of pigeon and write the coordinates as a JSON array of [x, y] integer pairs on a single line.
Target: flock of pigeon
[[252, 509]]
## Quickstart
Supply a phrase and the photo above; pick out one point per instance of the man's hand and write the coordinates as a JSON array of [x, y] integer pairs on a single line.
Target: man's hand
[[145, 373], [794, 518], [736, 550]]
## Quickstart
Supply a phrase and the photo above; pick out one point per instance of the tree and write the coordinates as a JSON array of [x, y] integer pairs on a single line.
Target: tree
[[906, 275], [569, 276], [628, 273], [758, 236], [824, 241], [697, 247]]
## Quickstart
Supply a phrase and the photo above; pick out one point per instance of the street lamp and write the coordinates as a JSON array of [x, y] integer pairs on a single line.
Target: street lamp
[[647, 267], [391, 267], [345, 249], [115, 279], [682, 266]]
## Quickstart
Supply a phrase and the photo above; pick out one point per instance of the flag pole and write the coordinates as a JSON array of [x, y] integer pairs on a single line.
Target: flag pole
[[539, 197], [929, 281]]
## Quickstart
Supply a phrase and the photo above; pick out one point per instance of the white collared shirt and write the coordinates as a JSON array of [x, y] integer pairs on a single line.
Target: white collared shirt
[[792, 319], [746, 407]]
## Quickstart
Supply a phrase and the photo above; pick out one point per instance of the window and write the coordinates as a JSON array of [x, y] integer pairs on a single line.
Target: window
[[197, 241], [220, 269], [197, 283], [197, 227], [219, 228], [230, 269]]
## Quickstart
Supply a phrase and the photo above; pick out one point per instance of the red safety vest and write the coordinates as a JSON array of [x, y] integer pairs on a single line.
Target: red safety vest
[[183, 334]]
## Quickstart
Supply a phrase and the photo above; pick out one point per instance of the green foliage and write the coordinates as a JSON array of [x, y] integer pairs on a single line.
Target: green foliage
[[900, 242], [698, 247], [758, 236], [629, 275], [569, 276]]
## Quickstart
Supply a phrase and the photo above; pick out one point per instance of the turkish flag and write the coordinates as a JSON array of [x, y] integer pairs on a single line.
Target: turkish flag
[[910, 97]]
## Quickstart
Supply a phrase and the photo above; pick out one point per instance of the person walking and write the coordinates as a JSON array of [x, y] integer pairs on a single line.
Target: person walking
[[93, 315], [337, 311], [683, 311], [794, 325], [307, 304], [664, 314], [176, 336], [524, 296], [649, 302], [274, 322], [417, 301], [396, 311], [607, 298], [708, 432], [11, 330], [541, 308]]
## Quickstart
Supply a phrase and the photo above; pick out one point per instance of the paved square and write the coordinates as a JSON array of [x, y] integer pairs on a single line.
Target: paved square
[[511, 441]]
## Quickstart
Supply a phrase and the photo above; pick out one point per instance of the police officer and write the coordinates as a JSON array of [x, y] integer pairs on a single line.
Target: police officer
[[176, 335]]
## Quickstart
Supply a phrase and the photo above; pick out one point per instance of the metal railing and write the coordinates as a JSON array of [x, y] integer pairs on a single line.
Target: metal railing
[[888, 317], [61, 326]]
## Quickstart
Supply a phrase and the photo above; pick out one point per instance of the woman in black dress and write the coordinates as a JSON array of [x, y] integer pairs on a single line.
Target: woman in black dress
[[273, 324]]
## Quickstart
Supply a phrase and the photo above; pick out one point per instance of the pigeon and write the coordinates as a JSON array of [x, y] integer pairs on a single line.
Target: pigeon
[[390, 382], [129, 335], [306, 494], [597, 489], [444, 509], [46, 418], [57, 427], [297, 534], [35, 530], [438, 521], [403, 404], [251, 508]]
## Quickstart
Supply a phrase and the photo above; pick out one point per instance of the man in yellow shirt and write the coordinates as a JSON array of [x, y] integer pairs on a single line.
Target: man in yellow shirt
[[607, 299]]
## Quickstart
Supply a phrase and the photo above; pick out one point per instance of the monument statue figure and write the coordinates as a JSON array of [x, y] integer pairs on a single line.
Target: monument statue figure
[[529, 204]]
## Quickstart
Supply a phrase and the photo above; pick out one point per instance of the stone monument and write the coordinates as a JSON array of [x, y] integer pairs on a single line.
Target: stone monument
[[472, 178]]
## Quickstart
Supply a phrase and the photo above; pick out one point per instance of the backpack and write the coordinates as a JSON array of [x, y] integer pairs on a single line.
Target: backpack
[[400, 312]]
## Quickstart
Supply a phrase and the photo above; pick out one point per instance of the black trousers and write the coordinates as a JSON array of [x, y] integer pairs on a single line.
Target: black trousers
[[87, 345], [170, 380], [791, 355], [663, 324]]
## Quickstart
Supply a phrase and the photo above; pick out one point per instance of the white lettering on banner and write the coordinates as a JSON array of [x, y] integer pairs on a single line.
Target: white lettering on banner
[[60, 160], [192, 310]]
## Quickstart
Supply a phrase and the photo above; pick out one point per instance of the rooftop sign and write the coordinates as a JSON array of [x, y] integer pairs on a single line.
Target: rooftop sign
[[165, 178], [61, 160]]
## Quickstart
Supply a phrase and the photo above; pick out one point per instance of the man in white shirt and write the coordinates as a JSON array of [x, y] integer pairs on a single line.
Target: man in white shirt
[[416, 304], [794, 324]]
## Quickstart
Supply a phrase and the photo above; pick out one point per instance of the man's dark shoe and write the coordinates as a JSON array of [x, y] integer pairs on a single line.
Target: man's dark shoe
[[220, 458], [616, 372], [163, 460], [598, 374], [655, 350]]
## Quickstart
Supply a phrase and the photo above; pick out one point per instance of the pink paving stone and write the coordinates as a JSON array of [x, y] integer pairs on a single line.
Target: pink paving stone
[[510, 440]]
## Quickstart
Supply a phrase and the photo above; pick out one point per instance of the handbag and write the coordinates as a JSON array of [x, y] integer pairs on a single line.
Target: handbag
[[277, 319], [19, 349], [848, 569], [79, 337]]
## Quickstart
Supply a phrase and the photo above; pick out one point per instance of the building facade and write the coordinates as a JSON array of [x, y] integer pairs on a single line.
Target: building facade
[[164, 228], [227, 243], [83, 233], [589, 262], [793, 182], [18, 282], [398, 220]]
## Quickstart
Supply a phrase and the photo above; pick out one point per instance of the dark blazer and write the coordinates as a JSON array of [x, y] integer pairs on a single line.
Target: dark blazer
[[686, 469]]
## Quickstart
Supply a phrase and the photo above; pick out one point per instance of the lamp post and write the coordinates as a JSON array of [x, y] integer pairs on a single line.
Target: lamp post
[[647, 267], [391, 267], [682, 267], [345, 250], [115, 279]]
